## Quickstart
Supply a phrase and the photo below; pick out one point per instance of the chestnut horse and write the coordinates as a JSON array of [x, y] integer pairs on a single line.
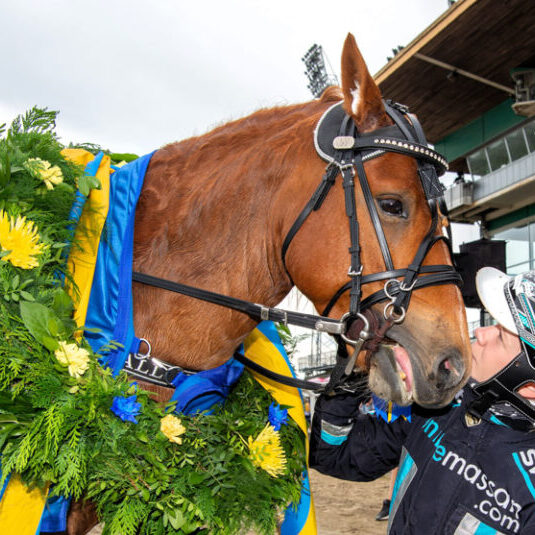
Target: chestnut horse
[[214, 213]]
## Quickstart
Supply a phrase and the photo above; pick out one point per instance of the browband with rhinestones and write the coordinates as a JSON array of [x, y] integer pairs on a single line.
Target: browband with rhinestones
[[413, 149]]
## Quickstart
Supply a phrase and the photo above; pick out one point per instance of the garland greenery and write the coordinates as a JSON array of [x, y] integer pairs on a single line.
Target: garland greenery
[[65, 421]]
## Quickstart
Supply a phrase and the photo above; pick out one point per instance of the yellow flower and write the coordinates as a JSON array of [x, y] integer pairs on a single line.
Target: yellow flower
[[172, 428], [50, 175], [21, 239], [266, 452], [73, 356]]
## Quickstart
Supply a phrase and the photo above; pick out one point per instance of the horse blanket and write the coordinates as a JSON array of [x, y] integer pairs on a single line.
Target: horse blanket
[[101, 269]]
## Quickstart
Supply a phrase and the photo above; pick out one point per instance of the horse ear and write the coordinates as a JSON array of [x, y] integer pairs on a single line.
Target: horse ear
[[362, 98]]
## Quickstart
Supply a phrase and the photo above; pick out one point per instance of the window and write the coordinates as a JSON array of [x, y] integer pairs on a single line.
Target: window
[[498, 155], [530, 135], [519, 248], [517, 144], [478, 164], [503, 151], [518, 269]]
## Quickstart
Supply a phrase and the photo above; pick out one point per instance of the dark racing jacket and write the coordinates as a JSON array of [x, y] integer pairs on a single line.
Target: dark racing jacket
[[458, 475]]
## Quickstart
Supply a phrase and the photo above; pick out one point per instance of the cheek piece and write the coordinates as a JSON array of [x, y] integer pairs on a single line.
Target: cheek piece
[[519, 295]]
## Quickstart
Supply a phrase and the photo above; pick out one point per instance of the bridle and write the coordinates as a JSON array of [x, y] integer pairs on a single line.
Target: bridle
[[338, 142]]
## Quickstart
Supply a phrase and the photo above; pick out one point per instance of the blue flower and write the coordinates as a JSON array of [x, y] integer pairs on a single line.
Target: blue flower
[[126, 408], [277, 416]]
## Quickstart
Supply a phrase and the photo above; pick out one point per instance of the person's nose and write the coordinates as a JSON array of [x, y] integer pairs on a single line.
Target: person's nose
[[484, 334]]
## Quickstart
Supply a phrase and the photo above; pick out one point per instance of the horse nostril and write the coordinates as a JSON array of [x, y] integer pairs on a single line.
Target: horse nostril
[[449, 370]]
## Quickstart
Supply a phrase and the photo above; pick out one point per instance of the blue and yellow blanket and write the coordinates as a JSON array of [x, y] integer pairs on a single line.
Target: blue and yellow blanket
[[101, 270]]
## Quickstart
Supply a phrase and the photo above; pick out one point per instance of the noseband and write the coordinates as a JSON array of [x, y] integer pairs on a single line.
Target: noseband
[[338, 142]]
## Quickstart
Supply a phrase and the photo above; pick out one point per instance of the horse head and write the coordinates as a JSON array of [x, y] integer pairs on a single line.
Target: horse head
[[426, 356]]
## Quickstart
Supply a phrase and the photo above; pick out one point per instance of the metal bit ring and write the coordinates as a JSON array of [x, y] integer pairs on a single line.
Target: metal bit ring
[[149, 349], [364, 334], [396, 318]]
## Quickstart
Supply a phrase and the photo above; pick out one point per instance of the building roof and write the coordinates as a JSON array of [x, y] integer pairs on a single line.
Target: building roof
[[487, 38]]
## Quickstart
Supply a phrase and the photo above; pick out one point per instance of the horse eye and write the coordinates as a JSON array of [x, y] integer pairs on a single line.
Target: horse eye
[[392, 206]]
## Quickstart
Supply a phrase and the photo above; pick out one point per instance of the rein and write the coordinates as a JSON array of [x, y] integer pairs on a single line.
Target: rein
[[339, 143]]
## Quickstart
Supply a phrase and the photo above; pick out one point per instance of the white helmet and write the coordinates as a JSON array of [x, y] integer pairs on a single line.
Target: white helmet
[[511, 302], [490, 284]]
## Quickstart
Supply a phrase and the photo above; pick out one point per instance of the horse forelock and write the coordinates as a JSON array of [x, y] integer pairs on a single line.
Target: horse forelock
[[332, 94]]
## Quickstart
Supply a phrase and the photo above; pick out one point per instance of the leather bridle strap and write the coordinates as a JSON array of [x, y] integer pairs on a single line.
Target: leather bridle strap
[[434, 279], [253, 310], [313, 204], [355, 267], [439, 274], [372, 211], [256, 312], [283, 379], [406, 128]]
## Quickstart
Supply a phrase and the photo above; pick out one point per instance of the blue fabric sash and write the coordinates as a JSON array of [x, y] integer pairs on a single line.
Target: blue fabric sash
[[201, 391], [389, 411], [5, 484], [55, 515], [110, 305]]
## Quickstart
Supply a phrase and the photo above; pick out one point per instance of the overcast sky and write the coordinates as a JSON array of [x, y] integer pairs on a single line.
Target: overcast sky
[[134, 75]]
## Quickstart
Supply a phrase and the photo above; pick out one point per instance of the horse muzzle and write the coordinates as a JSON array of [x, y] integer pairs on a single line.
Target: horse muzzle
[[396, 375]]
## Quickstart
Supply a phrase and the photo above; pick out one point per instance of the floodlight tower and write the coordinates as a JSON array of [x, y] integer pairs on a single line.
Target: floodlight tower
[[316, 71]]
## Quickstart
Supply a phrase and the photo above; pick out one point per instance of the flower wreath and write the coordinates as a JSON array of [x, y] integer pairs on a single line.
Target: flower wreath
[[66, 421]]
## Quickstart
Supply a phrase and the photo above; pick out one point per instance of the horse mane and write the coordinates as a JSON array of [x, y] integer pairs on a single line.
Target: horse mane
[[255, 125]]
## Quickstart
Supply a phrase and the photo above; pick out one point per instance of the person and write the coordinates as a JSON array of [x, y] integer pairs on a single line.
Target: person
[[459, 179], [384, 512], [368, 407], [468, 468]]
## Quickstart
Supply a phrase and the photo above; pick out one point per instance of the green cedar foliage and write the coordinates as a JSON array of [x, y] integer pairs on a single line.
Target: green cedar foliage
[[59, 429]]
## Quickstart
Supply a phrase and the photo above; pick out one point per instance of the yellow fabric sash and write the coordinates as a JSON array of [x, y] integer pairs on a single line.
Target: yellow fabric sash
[[260, 349], [21, 509], [83, 256]]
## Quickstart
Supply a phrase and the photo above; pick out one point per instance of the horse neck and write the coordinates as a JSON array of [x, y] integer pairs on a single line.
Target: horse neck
[[220, 228], [213, 214]]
